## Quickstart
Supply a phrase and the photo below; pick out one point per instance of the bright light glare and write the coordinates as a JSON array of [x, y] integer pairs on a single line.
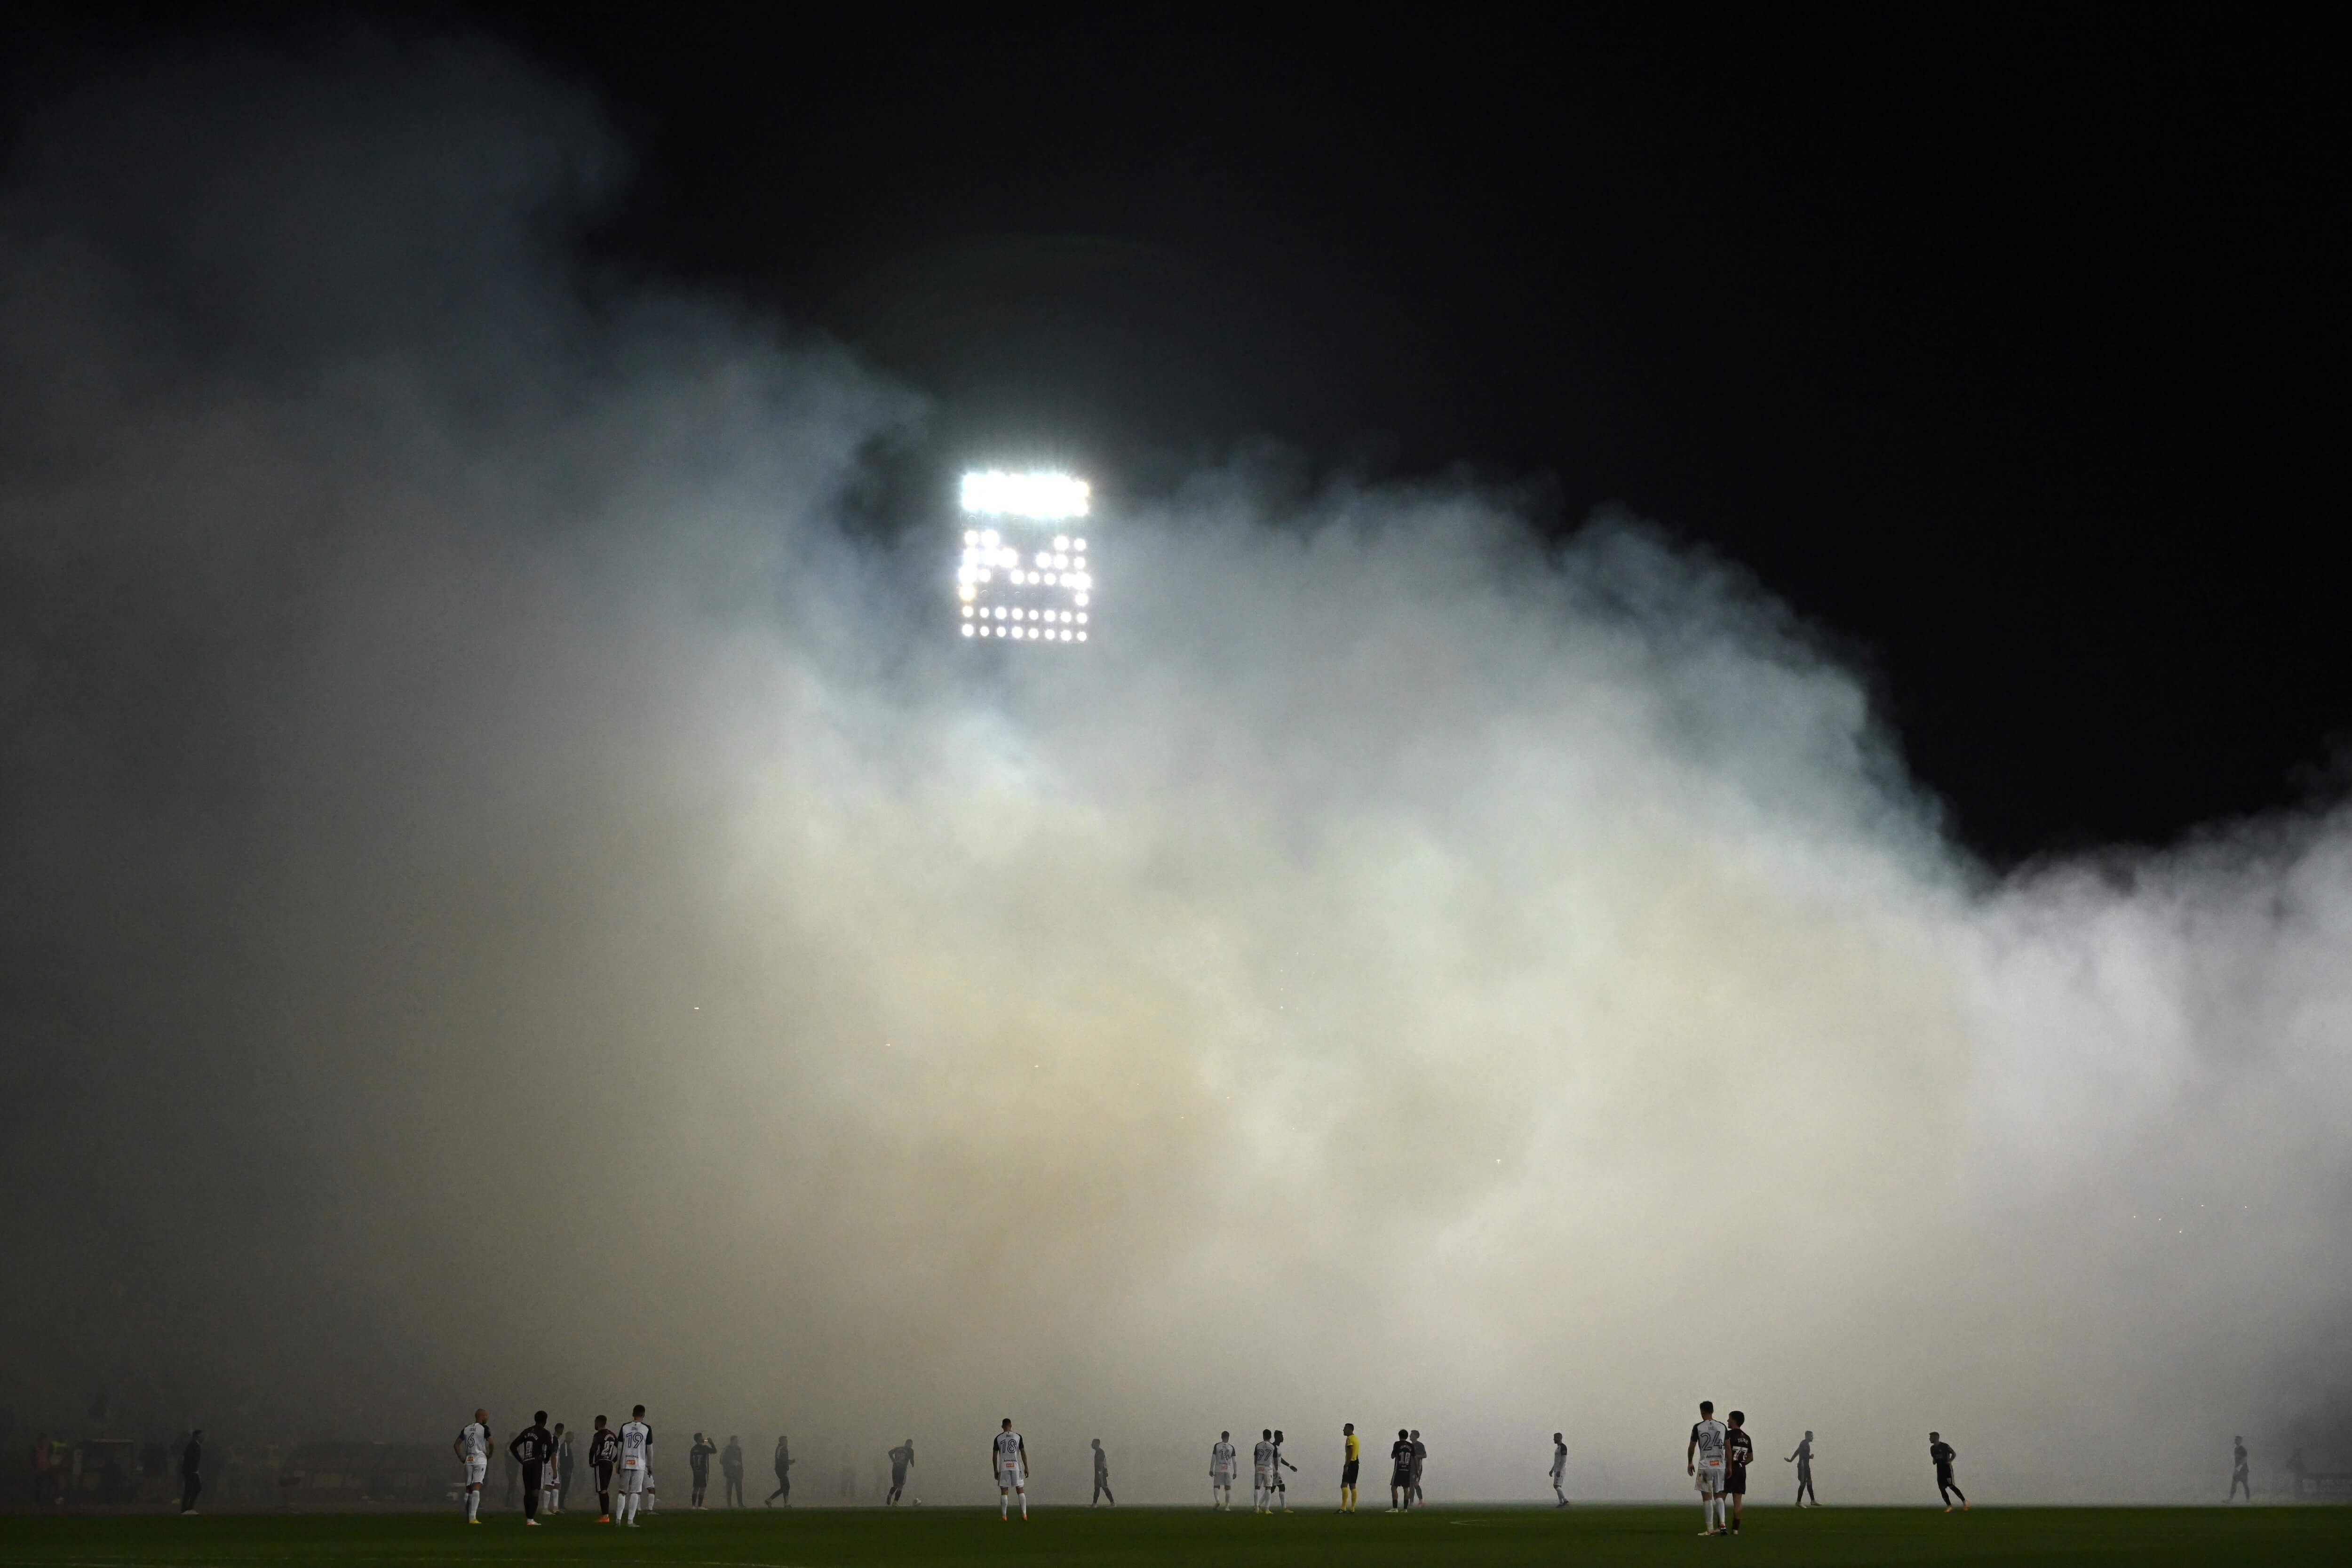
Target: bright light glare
[[966, 630], [996, 493]]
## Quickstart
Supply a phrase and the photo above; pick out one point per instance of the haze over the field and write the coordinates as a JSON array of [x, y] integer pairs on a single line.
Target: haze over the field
[[510, 899]]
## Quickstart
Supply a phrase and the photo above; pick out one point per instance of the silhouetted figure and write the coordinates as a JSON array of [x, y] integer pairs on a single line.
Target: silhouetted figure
[[551, 1474], [1803, 1456], [1559, 1469], [900, 1457], [1400, 1472], [1943, 1454], [2239, 1474], [192, 1459], [731, 1466], [530, 1448], [783, 1476], [1102, 1477], [698, 1465], [1420, 1457], [603, 1453], [566, 1464], [1281, 1484]]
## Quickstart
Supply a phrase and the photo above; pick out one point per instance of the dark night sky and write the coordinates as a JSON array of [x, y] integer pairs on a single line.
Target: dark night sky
[[2011, 354]]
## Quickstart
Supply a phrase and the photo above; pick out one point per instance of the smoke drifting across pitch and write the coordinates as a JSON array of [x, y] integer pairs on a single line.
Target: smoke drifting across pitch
[[509, 901]]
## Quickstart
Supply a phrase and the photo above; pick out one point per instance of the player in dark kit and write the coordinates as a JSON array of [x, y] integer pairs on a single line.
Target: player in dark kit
[[1738, 1451], [697, 1466], [900, 1457], [1400, 1473], [1943, 1454], [531, 1449], [2239, 1475], [603, 1453], [1803, 1460]]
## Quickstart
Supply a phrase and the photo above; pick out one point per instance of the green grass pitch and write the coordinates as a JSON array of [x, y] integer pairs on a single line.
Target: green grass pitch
[[1150, 1538]]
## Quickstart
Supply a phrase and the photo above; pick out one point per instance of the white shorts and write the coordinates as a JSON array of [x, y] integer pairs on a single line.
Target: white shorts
[[1221, 1478], [475, 1470], [630, 1479], [1710, 1475], [1008, 1478], [1265, 1479]]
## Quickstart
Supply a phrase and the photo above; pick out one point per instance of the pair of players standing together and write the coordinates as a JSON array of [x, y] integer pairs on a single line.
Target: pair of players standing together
[[622, 1460]]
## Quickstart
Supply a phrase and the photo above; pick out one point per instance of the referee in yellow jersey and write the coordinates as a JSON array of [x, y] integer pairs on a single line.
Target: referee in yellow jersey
[[1347, 1470]]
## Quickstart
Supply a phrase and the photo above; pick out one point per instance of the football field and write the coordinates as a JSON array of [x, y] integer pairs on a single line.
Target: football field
[[1148, 1537]]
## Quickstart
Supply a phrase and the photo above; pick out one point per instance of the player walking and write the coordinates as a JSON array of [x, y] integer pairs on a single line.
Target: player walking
[[900, 1457], [1400, 1473], [1102, 1477], [1803, 1457], [1738, 1453], [531, 1449], [637, 1466], [2239, 1476], [1420, 1457], [1349, 1465], [784, 1462], [1943, 1454], [1010, 1458], [1559, 1469], [473, 1450], [1704, 1459], [1281, 1487], [1221, 1465], [603, 1457]]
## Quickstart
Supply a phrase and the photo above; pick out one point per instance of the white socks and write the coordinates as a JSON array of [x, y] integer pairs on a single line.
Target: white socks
[[1024, 1505], [1004, 1505], [473, 1502]]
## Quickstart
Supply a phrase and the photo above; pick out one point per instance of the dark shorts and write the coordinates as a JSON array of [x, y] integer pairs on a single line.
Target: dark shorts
[[1347, 1472], [1402, 1478], [1735, 1480]]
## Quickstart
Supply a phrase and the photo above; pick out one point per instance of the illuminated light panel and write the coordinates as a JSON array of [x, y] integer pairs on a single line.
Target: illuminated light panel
[[1041, 495], [1021, 578]]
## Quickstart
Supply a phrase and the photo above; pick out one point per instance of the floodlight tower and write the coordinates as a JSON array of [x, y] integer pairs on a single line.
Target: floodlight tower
[[1023, 574]]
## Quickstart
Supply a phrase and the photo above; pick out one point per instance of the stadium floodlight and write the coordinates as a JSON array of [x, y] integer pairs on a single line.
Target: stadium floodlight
[[1005, 574], [1041, 497]]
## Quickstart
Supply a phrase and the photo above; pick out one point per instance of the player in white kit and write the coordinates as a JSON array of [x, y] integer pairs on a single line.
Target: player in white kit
[[1221, 1465], [1703, 1460], [1559, 1469], [1010, 1459], [473, 1450], [637, 1462], [1262, 1473]]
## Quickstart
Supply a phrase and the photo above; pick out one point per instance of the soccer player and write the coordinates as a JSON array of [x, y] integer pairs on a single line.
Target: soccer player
[[1281, 1487], [1262, 1473], [1803, 1458], [1946, 1487], [1704, 1459], [784, 1462], [1420, 1457], [1559, 1469], [550, 1480], [473, 1450], [2239, 1476], [1221, 1465], [636, 1467], [1943, 1454], [1102, 1477], [1010, 1459], [698, 1466], [604, 1455], [1349, 1465], [900, 1457], [731, 1466], [1738, 1453], [566, 1464], [531, 1449], [1400, 1473], [192, 1459]]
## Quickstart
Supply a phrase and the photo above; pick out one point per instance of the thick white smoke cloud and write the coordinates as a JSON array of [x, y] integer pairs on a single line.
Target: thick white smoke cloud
[[512, 899]]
